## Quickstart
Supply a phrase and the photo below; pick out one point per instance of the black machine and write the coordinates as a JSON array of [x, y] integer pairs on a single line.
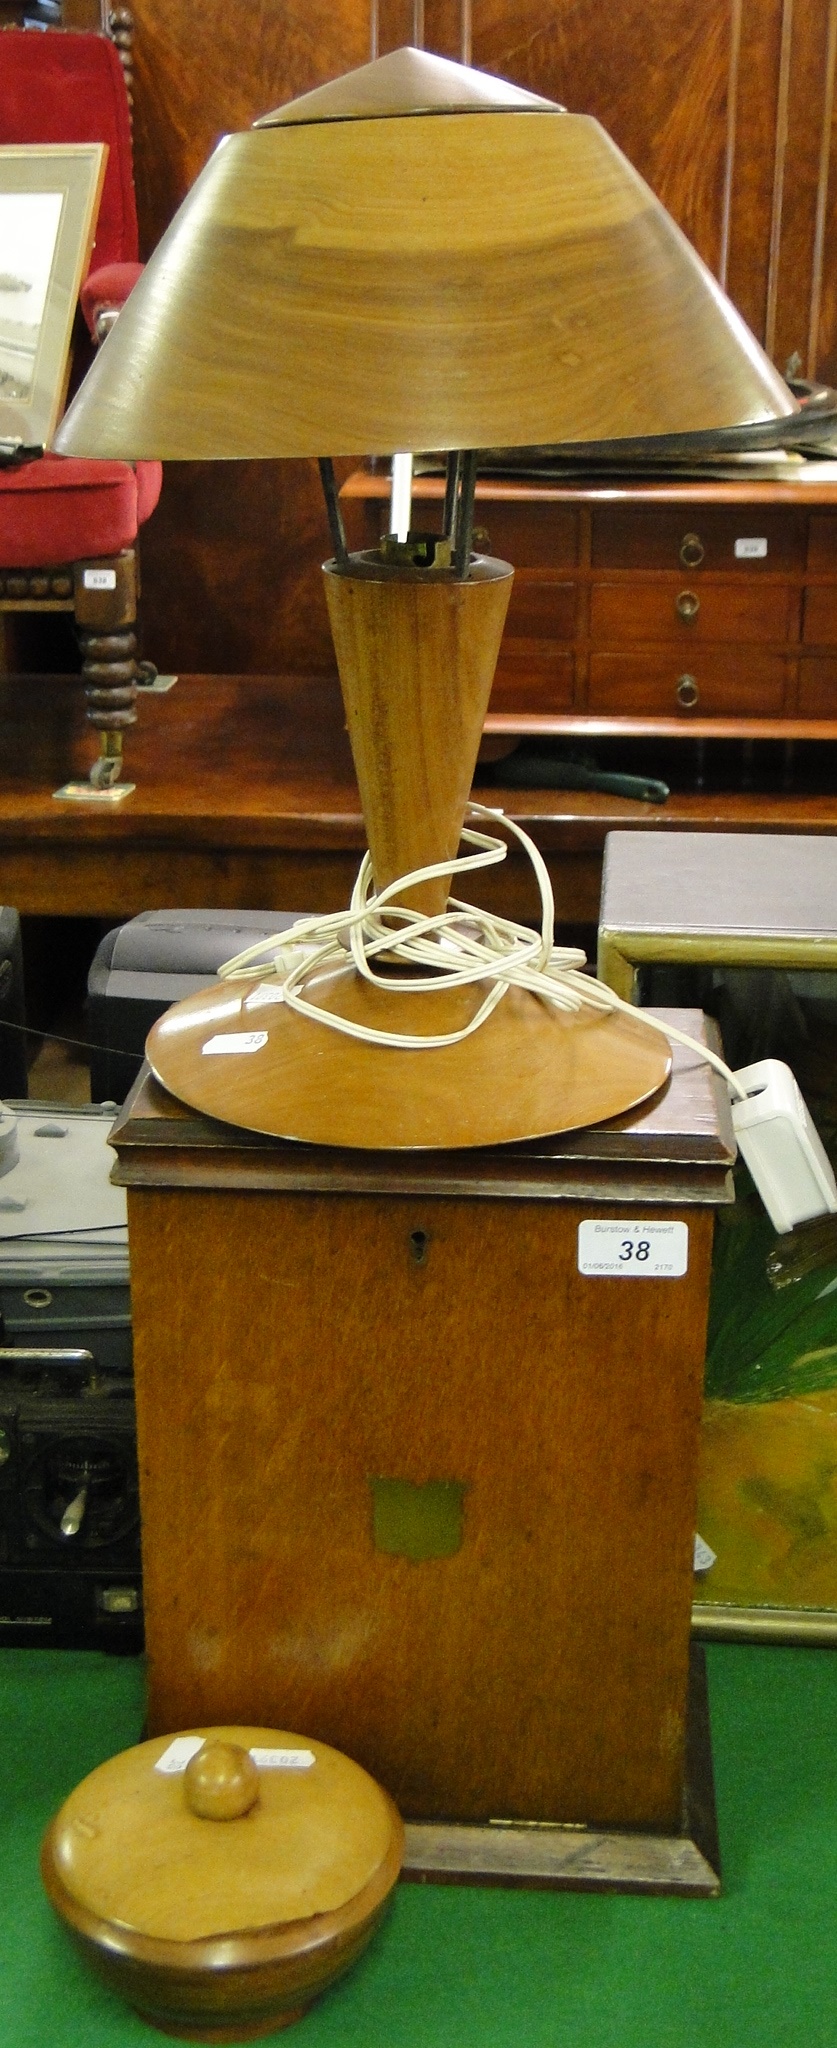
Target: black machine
[[150, 962], [69, 1511], [70, 1571]]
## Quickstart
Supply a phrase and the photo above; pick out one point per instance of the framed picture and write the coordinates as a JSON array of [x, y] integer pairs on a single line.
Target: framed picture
[[768, 1493], [49, 201]]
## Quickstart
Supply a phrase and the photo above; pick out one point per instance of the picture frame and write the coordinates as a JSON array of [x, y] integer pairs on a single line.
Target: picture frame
[[49, 203], [767, 1506]]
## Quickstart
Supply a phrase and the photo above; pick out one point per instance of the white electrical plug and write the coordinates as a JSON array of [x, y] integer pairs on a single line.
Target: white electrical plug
[[781, 1146]]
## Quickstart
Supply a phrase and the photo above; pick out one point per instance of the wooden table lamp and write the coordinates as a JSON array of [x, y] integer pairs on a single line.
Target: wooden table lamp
[[415, 1462], [416, 256]]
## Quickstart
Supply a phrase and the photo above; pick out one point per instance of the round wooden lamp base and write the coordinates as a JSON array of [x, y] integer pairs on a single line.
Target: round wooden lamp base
[[236, 1052]]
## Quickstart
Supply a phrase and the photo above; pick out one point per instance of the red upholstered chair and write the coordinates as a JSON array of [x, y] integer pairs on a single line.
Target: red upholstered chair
[[68, 528]]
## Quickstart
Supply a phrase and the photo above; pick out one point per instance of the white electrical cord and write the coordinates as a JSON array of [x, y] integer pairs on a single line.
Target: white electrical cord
[[453, 949]]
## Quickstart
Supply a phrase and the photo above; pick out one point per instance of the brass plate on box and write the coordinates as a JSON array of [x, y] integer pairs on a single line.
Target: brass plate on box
[[528, 1071]]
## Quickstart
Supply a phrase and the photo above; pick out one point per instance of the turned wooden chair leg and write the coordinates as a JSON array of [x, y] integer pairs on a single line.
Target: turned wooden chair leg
[[105, 605]]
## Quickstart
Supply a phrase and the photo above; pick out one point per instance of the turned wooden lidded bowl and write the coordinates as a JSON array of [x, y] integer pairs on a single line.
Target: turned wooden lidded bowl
[[221, 1897]]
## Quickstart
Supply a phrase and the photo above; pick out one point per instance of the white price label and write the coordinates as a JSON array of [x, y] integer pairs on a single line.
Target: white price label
[[236, 1041], [99, 579], [266, 993], [633, 1251], [751, 548]]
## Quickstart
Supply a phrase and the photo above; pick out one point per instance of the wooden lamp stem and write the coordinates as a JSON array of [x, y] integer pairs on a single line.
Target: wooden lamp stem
[[416, 654]]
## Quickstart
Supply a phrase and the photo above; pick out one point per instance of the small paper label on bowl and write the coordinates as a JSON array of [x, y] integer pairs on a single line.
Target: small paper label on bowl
[[179, 1754], [751, 548], [636, 1251], [283, 1759], [236, 1041], [181, 1751]]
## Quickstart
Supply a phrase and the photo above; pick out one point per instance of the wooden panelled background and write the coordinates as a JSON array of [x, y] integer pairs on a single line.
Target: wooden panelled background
[[725, 106]]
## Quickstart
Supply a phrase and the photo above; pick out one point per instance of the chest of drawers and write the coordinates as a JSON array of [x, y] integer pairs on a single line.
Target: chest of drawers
[[676, 608]]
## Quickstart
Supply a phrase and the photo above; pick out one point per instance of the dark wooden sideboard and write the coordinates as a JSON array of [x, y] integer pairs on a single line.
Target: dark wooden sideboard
[[668, 608]]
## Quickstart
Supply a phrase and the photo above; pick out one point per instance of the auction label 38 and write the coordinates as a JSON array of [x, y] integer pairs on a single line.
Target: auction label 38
[[636, 1251]]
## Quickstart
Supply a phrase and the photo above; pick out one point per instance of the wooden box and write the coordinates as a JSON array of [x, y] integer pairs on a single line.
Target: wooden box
[[411, 1482]]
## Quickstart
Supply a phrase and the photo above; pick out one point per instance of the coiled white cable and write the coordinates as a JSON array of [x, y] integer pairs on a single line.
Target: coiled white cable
[[453, 949]]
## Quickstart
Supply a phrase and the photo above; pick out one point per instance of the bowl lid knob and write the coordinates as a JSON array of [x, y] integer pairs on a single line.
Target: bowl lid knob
[[221, 1782]]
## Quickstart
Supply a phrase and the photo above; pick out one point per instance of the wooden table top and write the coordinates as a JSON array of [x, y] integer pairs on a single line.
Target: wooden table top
[[246, 797], [243, 760], [805, 483], [730, 887]]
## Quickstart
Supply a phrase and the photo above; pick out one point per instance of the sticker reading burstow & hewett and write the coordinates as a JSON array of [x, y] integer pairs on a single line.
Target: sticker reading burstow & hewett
[[633, 1251]]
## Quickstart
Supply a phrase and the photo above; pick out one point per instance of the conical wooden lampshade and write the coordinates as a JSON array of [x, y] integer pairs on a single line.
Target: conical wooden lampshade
[[418, 256]]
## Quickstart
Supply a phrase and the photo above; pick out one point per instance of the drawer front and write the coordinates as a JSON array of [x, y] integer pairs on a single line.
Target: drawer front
[[818, 686], [692, 612], [653, 680], [822, 542], [533, 678], [699, 538], [530, 536], [819, 618], [539, 610]]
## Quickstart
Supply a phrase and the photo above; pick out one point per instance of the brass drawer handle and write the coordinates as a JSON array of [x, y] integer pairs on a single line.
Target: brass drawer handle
[[687, 606], [691, 550], [687, 692]]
